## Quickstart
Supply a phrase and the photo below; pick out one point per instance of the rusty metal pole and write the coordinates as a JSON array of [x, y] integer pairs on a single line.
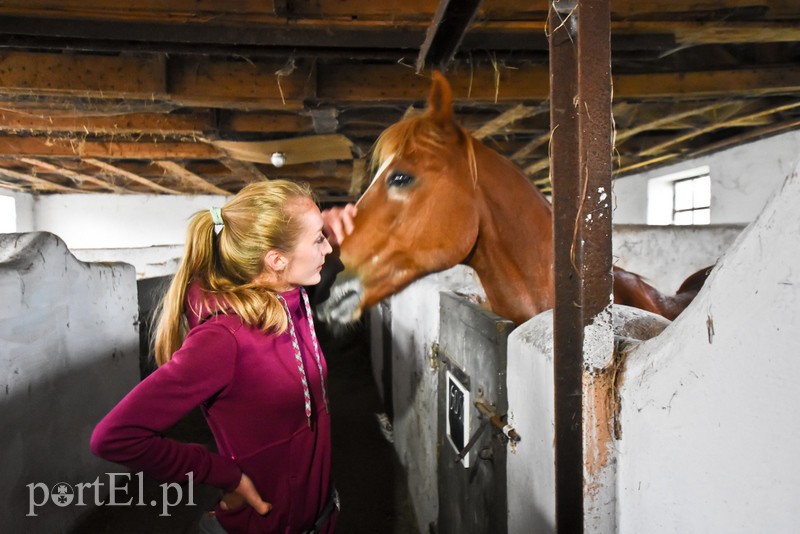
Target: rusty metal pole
[[580, 163]]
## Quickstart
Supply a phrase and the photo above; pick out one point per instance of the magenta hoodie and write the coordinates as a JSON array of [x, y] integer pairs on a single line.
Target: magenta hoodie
[[249, 388]]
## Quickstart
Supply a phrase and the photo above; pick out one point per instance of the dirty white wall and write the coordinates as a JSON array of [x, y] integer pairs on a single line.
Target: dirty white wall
[[149, 262], [531, 462], [23, 211], [710, 427], [667, 255], [119, 221], [147, 231], [415, 327], [69, 350], [742, 180]]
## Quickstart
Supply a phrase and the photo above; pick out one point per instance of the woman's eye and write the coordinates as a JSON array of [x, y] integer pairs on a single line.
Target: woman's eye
[[399, 179]]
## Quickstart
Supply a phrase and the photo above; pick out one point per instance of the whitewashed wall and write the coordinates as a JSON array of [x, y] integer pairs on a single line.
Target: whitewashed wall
[[147, 231], [742, 180], [149, 262], [69, 350], [710, 426], [667, 255], [119, 221], [23, 210]]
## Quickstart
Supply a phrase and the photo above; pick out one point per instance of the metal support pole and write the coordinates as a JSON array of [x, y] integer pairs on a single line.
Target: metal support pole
[[580, 163]]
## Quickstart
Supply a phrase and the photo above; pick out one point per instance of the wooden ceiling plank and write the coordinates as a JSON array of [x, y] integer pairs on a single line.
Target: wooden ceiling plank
[[271, 84], [749, 136], [191, 178], [722, 83], [661, 147], [295, 150], [187, 11], [264, 122], [509, 116], [82, 74], [130, 176], [351, 83], [12, 186], [669, 119], [37, 182], [244, 170], [180, 11], [690, 33], [135, 123], [77, 176], [530, 147], [637, 8], [645, 163], [39, 147], [284, 85]]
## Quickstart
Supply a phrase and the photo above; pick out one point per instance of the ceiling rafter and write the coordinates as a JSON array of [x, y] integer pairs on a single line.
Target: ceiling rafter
[[192, 179], [38, 183], [111, 169], [78, 177]]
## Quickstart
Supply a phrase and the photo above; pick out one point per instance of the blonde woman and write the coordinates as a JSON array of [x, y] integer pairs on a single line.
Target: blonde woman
[[235, 336]]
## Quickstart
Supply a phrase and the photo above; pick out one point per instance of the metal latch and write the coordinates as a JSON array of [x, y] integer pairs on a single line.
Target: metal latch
[[489, 417]]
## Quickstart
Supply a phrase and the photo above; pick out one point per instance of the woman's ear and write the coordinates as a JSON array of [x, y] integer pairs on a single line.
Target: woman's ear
[[275, 261]]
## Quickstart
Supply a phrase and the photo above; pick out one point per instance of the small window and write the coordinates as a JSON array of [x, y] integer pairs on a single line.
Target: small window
[[691, 200], [8, 215], [682, 198]]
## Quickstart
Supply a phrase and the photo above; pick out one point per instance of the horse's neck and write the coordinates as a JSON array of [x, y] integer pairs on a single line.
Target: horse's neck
[[514, 253]]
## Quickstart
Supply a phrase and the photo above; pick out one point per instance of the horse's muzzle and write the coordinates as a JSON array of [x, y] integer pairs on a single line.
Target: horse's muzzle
[[343, 306]]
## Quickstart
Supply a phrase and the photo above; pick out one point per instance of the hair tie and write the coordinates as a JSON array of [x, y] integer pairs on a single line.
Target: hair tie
[[216, 218]]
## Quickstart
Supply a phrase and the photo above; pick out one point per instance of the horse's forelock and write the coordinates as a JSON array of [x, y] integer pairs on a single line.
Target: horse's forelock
[[412, 135]]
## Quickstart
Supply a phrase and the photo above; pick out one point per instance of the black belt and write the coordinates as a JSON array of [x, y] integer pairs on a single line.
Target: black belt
[[327, 510]]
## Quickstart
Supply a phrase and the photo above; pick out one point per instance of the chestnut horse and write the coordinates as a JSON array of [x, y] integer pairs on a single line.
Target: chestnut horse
[[440, 198]]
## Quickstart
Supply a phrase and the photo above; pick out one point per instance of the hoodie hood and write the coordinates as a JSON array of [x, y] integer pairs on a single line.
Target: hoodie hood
[[200, 305]]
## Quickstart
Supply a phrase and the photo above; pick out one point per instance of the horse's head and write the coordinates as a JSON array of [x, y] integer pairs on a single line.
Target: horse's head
[[419, 214]]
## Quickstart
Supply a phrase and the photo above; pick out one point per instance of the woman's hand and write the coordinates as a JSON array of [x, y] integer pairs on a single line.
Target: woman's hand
[[338, 223], [245, 493]]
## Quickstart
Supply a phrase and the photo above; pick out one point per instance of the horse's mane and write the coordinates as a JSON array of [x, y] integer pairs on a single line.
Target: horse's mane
[[421, 135]]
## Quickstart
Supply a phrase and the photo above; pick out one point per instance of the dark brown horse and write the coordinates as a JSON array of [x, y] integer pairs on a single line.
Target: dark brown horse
[[441, 198]]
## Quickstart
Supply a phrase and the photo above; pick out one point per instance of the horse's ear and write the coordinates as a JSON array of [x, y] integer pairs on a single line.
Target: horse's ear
[[440, 99]]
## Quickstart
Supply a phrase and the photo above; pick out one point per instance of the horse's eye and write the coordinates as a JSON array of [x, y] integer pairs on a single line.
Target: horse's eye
[[399, 179]]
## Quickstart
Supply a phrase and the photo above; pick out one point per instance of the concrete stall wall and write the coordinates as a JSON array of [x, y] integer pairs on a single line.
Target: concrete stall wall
[[743, 178], [709, 409], [150, 262], [69, 350], [531, 462], [667, 255]]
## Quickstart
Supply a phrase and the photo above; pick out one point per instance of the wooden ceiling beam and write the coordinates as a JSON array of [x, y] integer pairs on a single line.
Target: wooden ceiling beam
[[44, 121], [187, 176], [288, 85], [78, 177], [451, 20], [244, 170], [264, 122], [717, 125], [38, 183], [506, 118], [111, 169], [83, 75], [39, 147]]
